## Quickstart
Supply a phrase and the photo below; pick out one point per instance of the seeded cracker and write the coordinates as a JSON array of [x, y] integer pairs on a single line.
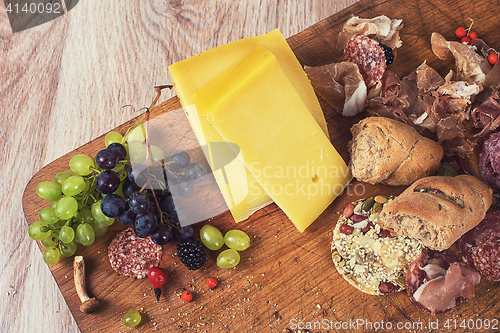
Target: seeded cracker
[[133, 256], [366, 255]]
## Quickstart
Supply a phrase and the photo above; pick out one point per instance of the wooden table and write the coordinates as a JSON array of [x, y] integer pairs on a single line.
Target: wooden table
[[63, 84]]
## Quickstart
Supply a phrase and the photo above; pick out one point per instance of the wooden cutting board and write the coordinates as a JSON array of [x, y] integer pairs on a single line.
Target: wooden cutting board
[[285, 279]]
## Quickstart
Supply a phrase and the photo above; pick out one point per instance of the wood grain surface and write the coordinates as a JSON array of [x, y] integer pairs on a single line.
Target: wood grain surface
[[63, 83]]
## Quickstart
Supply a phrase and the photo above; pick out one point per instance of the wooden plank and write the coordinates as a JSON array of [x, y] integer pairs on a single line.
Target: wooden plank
[[285, 277]]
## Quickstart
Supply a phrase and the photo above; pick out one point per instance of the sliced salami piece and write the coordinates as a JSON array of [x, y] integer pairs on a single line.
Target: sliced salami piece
[[133, 256], [480, 246], [437, 282], [369, 56]]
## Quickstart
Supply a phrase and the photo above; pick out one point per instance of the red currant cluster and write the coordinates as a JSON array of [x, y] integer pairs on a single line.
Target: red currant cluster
[[467, 35]]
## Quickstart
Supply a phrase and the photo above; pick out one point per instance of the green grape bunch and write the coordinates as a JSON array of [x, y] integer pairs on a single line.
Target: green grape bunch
[[73, 215]]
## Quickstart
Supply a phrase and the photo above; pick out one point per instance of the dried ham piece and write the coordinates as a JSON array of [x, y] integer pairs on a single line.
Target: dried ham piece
[[438, 282], [391, 100], [380, 28], [470, 65], [341, 85], [489, 161], [480, 246], [487, 115], [439, 294]]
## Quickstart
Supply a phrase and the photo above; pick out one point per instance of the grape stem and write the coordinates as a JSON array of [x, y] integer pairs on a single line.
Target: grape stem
[[149, 158]]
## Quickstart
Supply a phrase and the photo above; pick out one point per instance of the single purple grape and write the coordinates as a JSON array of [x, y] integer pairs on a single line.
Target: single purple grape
[[112, 205], [162, 235], [107, 182]]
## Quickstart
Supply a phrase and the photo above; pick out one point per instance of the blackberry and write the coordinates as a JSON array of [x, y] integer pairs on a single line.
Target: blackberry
[[389, 56], [191, 252]]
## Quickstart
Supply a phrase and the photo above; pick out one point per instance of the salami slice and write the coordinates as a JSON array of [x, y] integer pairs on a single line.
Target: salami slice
[[133, 256], [369, 56], [480, 247], [437, 282]]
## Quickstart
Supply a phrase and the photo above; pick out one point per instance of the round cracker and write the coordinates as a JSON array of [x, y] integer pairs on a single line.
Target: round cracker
[[345, 247]]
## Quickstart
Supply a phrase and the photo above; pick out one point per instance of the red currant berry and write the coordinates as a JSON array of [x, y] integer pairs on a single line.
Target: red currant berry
[[187, 296], [460, 32], [472, 35], [466, 40], [212, 283], [157, 276], [493, 58]]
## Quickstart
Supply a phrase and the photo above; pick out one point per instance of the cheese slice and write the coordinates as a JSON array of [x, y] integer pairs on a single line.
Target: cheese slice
[[240, 190], [255, 106]]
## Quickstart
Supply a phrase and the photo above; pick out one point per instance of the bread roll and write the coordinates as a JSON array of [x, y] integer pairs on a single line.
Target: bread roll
[[438, 210], [390, 152]]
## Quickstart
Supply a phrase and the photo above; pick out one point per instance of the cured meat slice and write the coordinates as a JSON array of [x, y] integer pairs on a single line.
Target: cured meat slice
[[381, 28], [133, 256], [341, 85], [438, 282], [469, 64], [489, 163], [480, 247]]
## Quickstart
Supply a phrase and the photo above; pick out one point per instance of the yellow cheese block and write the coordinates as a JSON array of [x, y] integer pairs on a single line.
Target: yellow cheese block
[[239, 188], [255, 106]]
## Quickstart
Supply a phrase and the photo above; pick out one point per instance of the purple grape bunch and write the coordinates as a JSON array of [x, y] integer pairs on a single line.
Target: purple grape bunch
[[150, 211]]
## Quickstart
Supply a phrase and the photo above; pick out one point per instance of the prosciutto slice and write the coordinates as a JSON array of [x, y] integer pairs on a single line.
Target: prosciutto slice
[[470, 65], [341, 85], [438, 281], [380, 28], [439, 294]]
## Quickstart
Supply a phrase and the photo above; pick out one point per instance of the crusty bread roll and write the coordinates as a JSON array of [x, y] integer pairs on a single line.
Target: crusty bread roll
[[388, 151], [438, 210]]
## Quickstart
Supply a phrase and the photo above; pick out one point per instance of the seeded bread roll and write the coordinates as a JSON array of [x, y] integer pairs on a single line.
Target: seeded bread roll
[[438, 210], [390, 152]]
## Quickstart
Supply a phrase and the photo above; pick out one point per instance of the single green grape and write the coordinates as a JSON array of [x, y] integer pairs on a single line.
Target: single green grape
[[74, 185], [157, 153], [60, 177], [35, 233], [86, 214], [118, 169], [137, 134], [81, 165], [85, 234], [66, 234], [67, 250], [51, 255], [50, 241], [228, 258], [237, 240], [99, 215], [111, 137], [48, 215], [66, 207], [53, 204], [132, 318], [137, 151], [211, 237], [99, 229], [119, 191], [48, 190]]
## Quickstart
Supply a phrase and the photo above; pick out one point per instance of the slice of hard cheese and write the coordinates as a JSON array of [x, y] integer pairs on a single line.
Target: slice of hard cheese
[[240, 190], [255, 106]]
